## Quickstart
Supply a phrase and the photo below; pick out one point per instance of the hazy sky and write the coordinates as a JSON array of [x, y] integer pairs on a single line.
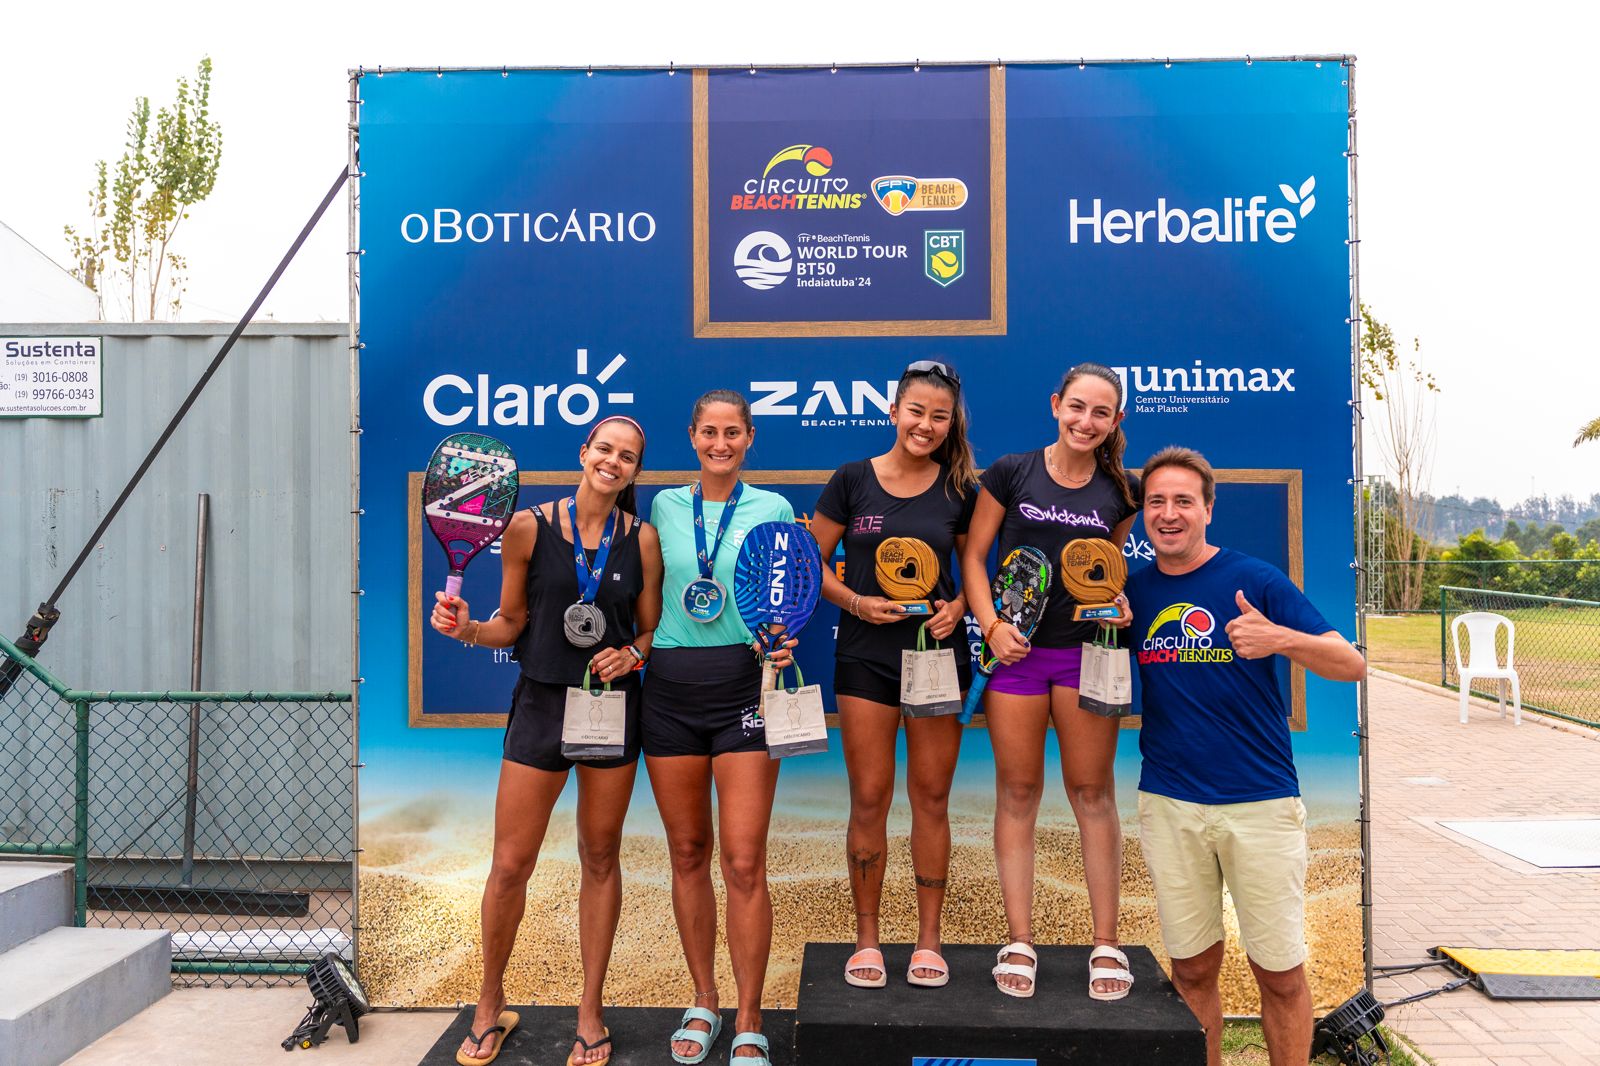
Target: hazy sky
[[1476, 138]]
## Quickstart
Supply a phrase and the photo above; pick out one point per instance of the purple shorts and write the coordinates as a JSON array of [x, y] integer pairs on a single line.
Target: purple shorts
[[1041, 670]]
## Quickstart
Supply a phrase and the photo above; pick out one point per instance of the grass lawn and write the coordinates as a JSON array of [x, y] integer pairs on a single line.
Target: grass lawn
[[1243, 1045], [1557, 655]]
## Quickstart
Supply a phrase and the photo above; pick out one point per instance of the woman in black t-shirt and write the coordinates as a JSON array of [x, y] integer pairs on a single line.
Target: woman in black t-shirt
[[539, 589], [921, 488], [1073, 488]]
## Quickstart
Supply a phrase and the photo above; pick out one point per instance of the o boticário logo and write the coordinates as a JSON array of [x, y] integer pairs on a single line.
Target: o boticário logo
[[944, 255], [779, 188], [1196, 627], [899, 193]]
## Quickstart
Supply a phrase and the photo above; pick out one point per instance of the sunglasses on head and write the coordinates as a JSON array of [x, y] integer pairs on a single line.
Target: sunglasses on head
[[937, 369]]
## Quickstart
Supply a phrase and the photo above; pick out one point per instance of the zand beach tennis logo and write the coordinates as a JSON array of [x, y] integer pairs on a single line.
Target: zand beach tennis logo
[[944, 255], [1193, 628], [797, 178], [899, 193]]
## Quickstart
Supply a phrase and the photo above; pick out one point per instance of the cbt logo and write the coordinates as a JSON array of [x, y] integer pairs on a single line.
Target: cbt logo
[[451, 399], [763, 260], [944, 255], [1236, 220]]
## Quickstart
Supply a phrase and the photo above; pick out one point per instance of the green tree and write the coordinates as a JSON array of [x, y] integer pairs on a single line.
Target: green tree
[[1403, 394], [169, 163]]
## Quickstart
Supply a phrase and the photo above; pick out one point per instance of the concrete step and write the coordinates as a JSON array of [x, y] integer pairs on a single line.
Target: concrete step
[[64, 989], [35, 897]]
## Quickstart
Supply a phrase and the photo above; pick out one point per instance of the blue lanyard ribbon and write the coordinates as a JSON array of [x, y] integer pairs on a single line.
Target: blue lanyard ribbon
[[709, 560], [589, 578]]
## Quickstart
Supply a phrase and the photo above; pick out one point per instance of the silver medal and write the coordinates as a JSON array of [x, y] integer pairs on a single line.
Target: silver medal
[[583, 625]]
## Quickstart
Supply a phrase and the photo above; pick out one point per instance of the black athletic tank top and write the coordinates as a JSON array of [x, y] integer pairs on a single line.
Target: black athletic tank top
[[542, 649]]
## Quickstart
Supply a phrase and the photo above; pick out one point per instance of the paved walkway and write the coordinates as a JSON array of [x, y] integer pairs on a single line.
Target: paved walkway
[[1432, 887]]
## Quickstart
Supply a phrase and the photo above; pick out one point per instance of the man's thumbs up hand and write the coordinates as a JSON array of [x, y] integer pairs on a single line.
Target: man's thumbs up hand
[[1252, 635]]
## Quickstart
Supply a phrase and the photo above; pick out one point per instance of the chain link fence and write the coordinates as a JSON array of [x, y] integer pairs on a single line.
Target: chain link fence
[[1556, 652], [226, 818], [1409, 587]]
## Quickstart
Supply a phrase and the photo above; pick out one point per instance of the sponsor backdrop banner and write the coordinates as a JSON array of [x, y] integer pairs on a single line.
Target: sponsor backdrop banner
[[544, 248]]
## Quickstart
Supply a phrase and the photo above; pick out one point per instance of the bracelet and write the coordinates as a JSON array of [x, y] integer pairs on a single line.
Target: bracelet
[[855, 605], [638, 656], [476, 625], [989, 633]]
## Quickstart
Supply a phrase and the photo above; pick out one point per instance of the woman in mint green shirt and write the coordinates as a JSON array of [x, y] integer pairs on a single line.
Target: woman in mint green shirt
[[701, 723]]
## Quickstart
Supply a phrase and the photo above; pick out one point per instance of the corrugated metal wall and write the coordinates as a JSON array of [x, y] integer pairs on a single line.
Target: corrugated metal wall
[[268, 439]]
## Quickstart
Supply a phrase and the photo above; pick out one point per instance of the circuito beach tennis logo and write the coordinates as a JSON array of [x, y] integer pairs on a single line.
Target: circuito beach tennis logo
[[815, 189], [1191, 643]]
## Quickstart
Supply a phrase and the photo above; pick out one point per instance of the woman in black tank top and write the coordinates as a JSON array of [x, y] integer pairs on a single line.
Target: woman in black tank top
[[539, 590], [922, 488]]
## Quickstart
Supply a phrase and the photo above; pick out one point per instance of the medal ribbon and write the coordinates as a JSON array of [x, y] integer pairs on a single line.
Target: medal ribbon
[[708, 560], [589, 579]]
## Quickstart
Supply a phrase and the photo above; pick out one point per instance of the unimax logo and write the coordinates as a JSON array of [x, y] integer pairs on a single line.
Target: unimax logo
[[1236, 220], [451, 399]]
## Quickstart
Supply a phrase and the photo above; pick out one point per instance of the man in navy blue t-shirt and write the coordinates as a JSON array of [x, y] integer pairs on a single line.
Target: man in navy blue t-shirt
[[1219, 803]]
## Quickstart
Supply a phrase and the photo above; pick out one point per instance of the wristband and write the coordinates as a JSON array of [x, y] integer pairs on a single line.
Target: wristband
[[638, 656]]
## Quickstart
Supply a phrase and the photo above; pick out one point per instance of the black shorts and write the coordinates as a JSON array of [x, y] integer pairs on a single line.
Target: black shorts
[[533, 730], [877, 683], [703, 701]]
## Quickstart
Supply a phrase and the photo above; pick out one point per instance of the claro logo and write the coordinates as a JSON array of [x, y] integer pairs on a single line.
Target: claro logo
[[451, 399], [1236, 220]]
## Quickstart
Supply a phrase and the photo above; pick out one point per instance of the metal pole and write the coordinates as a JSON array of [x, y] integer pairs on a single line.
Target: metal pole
[[354, 252], [80, 827], [196, 653]]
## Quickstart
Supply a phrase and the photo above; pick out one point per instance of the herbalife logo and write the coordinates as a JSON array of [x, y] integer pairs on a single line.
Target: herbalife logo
[[451, 399], [1236, 220]]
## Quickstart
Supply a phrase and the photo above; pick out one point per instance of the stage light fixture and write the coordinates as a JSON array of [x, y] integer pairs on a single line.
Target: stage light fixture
[[338, 1000], [1350, 1032]]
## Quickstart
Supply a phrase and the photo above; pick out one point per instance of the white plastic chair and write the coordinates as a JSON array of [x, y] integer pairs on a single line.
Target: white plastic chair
[[1482, 628]]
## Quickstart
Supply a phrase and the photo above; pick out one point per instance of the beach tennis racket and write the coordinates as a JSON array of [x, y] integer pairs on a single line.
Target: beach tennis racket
[[777, 581], [1020, 589], [469, 494]]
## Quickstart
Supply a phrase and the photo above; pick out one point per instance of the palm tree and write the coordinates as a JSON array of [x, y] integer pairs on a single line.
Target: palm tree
[[1590, 431]]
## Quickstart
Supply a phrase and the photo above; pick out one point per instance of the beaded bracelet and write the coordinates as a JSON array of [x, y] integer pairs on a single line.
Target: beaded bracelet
[[989, 633]]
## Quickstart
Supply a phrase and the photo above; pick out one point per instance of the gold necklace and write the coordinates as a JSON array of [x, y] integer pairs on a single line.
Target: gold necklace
[[1051, 463]]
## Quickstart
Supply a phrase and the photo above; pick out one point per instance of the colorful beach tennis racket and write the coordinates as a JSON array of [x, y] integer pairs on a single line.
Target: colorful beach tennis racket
[[469, 494], [1020, 589], [777, 581]]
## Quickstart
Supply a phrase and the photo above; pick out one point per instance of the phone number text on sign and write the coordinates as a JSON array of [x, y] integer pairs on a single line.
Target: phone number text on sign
[[50, 377]]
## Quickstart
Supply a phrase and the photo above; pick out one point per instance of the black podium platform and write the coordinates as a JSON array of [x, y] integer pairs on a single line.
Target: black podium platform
[[971, 1022], [640, 1037]]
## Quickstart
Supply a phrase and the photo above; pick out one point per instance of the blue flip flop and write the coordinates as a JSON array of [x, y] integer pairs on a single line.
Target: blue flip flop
[[749, 1040], [705, 1040]]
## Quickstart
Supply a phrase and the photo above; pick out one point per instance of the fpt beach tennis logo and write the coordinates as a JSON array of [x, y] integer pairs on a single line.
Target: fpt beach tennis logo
[[944, 255], [763, 260], [1232, 220], [797, 178], [1183, 633], [899, 193]]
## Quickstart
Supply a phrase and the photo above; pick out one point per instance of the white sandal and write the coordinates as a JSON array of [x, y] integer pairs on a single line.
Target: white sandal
[[1104, 973], [1016, 969]]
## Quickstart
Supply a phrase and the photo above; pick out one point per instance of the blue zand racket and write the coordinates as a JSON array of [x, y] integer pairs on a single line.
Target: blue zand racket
[[469, 493], [1020, 589], [777, 581]]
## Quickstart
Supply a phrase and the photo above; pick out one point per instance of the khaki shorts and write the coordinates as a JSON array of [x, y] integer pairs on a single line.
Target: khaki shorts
[[1258, 850]]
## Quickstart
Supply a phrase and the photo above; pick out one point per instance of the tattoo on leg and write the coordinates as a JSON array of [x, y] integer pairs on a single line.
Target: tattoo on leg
[[867, 914], [931, 882], [862, 862]]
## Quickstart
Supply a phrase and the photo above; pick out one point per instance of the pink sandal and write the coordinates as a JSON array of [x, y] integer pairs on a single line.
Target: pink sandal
[[866, 959], [925, 959]]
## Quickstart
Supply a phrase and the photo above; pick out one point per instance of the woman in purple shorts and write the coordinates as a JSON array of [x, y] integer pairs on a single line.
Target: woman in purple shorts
[[1073, 488]]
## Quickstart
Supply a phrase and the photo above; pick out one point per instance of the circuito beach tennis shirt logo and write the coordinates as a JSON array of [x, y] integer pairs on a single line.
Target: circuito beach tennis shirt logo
[[1191, 643]]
